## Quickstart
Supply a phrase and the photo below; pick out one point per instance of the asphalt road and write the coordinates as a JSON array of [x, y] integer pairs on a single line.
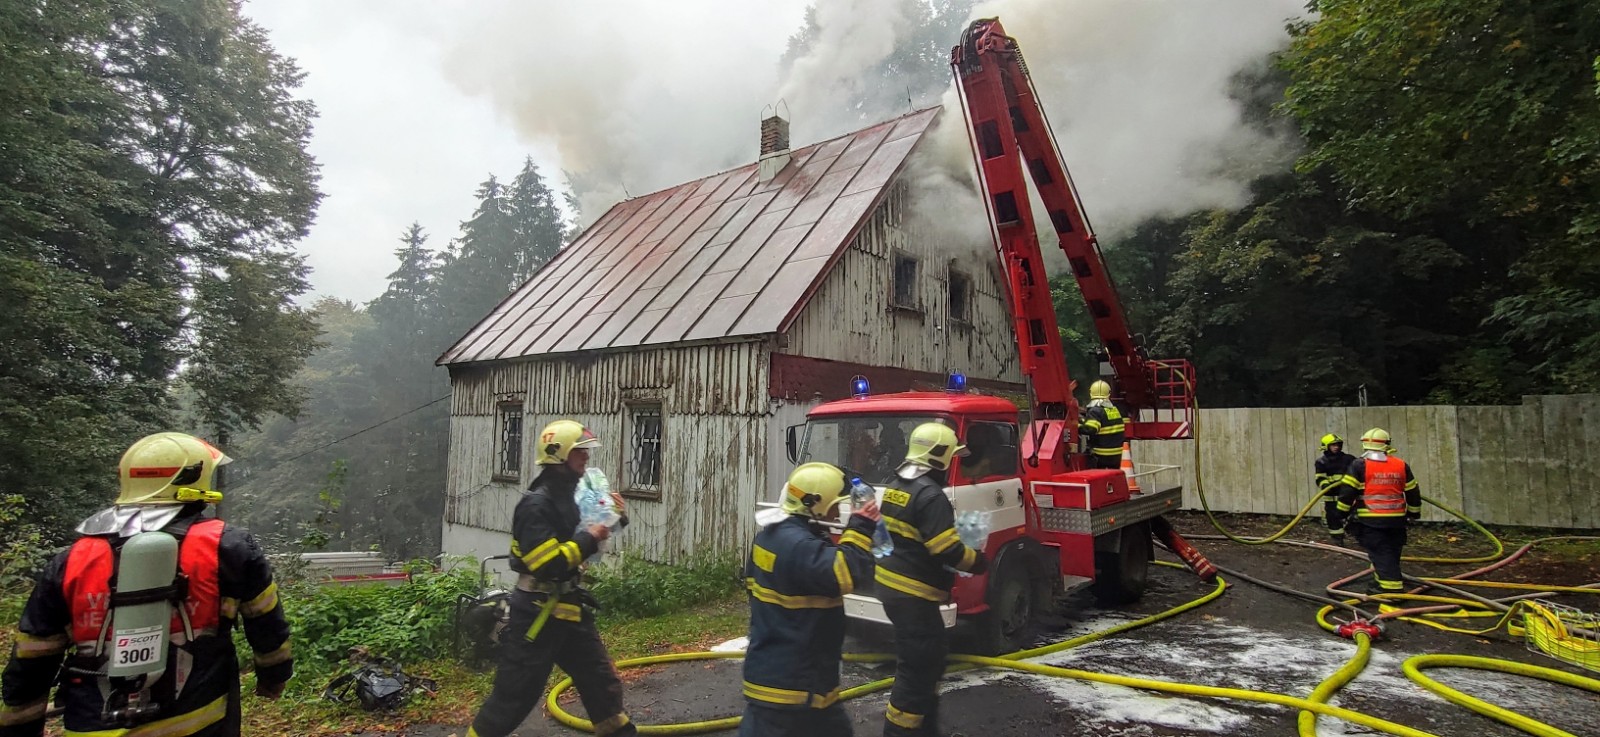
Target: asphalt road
[[1250, 638]]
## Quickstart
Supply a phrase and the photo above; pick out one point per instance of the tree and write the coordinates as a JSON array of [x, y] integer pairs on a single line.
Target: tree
[[538, 231], [480, 269], [1481, 112]]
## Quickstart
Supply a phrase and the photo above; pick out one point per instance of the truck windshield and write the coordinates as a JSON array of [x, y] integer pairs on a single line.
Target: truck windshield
[[870, 446]]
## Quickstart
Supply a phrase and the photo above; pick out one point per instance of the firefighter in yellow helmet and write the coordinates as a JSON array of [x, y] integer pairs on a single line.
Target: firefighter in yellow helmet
[[1384, 496], [552, 619], [1101, 424], [155, 556], [1329, 470], [797, 578], [915, 579]]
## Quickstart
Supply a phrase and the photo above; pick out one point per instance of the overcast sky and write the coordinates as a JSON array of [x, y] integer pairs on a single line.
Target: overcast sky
[[419, 100]]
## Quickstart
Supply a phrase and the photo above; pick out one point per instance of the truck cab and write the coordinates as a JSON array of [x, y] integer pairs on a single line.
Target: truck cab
[[1046, 536]]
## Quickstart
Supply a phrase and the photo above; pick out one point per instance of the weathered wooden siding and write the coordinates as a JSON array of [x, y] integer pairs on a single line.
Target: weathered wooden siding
[[714, 438], [850, 317], [1521, 465]]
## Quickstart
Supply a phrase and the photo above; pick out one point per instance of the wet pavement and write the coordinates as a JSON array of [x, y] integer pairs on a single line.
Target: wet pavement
[[1250, 638]]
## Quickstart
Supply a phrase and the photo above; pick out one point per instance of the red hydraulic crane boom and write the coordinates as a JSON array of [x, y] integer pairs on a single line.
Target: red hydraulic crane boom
[[1008, 127]]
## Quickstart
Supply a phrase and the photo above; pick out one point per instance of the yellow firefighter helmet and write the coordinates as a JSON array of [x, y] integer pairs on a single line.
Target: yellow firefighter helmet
[[558, 439], [1375, 439], [933, 444], [813, 489], [1330, 439], [1099, 390], [169, 468]]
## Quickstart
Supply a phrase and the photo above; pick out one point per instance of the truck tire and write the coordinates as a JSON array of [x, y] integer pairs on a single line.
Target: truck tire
[[1120, 574], [1013, 604]]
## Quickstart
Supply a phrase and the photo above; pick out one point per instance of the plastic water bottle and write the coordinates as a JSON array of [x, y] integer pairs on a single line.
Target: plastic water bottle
[[595, 506], [860, 494], [972, 527]]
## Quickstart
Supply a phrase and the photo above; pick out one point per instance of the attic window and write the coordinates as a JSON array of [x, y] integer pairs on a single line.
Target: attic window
[[960, 297], [904, 292]]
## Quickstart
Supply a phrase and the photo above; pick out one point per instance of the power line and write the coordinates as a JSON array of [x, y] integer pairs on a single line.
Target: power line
[[366, 429]]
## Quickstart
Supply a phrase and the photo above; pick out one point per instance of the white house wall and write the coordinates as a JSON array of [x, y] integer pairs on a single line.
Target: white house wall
[[850, 318], [714, 441]]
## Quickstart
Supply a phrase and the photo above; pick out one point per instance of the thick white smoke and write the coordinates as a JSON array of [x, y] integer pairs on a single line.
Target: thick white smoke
[[644, 95]]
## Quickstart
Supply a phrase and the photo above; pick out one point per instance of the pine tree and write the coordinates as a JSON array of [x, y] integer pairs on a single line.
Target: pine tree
[[480, 269], [535, 220]]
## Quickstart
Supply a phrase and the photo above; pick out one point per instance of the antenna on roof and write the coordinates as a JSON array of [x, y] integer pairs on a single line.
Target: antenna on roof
[[910, 106], [625, 193]]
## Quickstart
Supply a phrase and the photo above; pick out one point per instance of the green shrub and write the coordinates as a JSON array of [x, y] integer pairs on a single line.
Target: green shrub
[[632, 588]]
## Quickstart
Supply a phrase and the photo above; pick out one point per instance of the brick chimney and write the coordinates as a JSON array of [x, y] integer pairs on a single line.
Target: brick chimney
[[774, 146]]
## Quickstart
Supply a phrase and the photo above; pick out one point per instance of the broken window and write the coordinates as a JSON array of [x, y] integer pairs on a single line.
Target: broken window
[[508, 451], [904, 291], [960, 286], [644, 460]]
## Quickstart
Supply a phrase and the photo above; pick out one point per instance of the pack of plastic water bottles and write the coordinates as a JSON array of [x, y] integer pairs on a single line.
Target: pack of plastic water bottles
[[595, 505]]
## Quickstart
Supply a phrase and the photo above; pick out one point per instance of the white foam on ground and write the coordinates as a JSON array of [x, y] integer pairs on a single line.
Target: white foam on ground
[[735, 645], [1216, 653]]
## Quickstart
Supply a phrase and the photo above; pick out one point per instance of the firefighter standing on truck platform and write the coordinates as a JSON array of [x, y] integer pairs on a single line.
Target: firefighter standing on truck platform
[[797, 579], [1384, 495], [913, 580], [1330, 469], [550, 624], [220, 574], [1103, 427]]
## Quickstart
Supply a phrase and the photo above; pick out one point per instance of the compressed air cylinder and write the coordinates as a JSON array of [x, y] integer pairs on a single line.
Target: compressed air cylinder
[[149, 560]]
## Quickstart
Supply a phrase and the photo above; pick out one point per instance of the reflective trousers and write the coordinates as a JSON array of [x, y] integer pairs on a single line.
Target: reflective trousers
[[1383, 546], [920, 645], [1330, 506], [524, 669]]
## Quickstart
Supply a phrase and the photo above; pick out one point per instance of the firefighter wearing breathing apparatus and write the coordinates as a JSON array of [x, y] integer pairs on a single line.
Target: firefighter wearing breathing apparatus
[[797, 579], [142, 609], [916, 577], [1330, 469], [1103, 427], [1384, 496], [552, 619]]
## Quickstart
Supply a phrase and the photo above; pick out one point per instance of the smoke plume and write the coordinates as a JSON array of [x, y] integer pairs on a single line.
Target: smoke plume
[[637, 96]]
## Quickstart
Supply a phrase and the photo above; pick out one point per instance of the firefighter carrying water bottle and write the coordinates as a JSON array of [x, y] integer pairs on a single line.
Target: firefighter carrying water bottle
[[797, 579], [916, 577], [142, 609], [1383, 494], [550, 623]]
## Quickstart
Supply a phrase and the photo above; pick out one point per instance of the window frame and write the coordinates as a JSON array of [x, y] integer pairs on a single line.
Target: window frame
[[896, 256], [631, 487], [1014, 470], [504, 410], [955, 274]]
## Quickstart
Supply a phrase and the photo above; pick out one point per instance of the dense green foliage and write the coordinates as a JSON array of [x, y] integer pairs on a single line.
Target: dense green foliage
[[155, 177], [634, 588]]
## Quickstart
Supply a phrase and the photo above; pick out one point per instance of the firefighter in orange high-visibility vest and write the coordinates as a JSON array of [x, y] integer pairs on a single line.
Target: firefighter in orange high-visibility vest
[[1377, 497], [155, 556]]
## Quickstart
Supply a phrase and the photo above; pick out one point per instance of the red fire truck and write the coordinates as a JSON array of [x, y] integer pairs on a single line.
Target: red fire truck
[[1055, 525]]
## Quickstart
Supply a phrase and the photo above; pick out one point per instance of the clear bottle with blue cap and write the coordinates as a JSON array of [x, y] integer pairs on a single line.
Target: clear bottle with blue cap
[[860, 494]]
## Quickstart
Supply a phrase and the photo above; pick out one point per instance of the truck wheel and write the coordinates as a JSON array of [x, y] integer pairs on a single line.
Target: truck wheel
[[1014, 601], [1120, 575]]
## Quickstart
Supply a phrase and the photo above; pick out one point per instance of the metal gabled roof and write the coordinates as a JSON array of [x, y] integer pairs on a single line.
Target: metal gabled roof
[[721, 257]]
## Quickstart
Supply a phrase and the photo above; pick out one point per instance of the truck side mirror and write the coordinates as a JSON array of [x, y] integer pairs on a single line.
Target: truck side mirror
[[791, 442]]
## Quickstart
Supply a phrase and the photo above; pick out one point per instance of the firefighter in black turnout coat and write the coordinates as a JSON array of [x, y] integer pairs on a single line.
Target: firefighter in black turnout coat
[[1330, 470], [1378, 497], [915, 578], [797, 579], [550, 625]]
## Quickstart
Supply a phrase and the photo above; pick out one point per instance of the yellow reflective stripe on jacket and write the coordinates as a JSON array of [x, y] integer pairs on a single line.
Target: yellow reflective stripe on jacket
[[11, 716], [178, 726], [853, 537], [1109, 429], [841, 571], [943, 541], [282, 655], [568, 612], [903, 719], [1342, 506], [1107, 451], [902, 528], [967, 559], [1410, 485], [1092, 425], [764, 559], [264, 602], [1353, 481], [1367, 512], [908, 585], [32, 646], [790, 696], [769, 596], [573, 553], [535, 554]]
